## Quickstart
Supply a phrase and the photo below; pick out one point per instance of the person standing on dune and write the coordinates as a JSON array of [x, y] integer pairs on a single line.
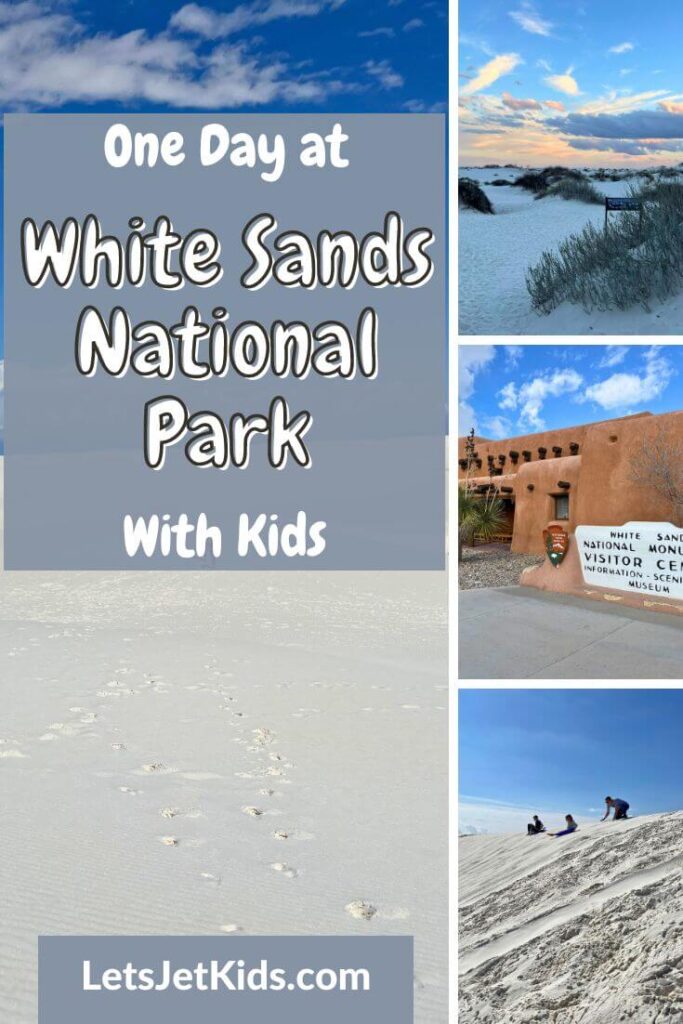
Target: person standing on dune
[[620, 808]]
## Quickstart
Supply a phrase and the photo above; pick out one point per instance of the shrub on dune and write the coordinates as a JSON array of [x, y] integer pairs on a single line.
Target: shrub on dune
[[573, 188], [633, 261], [540, 181], [473, 197], [532, 181]]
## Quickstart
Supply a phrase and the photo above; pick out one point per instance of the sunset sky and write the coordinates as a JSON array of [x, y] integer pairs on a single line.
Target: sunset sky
[[576, 82]]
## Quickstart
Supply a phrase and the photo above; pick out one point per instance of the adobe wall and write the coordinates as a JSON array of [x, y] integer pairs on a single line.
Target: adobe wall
[[607, 495], [601, 491], [535, 485]]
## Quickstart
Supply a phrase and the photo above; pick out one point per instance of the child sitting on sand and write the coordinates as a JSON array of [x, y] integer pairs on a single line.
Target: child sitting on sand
[[571, 827], [535, 826]]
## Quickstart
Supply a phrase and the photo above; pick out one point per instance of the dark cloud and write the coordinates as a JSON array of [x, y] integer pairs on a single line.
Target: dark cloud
[[519, 104], [637, 124], [626, 146]]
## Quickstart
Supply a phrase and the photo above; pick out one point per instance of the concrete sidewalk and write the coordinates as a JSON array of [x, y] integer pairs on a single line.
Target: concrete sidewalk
[[522, 633]]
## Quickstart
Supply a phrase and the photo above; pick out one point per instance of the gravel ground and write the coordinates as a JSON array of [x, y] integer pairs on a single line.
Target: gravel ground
[[492, 565]]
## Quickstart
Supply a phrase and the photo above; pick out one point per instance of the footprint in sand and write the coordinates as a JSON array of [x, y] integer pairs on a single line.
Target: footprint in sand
[[118, 746], [284, 833], [229, 929], [360, 909], [253, 812], [284, 869], [128, 790], [169, 812], [281, 760], [154, 767], [263, 737], [213, 879], [169, 840]]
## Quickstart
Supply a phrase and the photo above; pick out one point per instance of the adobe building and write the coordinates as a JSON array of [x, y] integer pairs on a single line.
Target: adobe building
[[573, 476]]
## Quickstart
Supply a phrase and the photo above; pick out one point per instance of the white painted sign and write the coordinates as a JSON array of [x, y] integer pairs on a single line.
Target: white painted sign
[[645, 558]]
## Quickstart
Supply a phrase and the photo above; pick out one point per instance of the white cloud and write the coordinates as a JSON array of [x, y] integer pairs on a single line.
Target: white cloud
[[472, 359], [531, 21], [210, 24], [632, 389], [529, 398], [497, 427], [621, 48], [615, 103], [491, 72], [565, 83], [467, 419], [384, 73], [48, 58], [614, 355], [374, 32], [513, 354], [508, 396], [414, 23]]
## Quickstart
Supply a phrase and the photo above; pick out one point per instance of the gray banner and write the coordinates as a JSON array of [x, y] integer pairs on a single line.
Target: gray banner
[[75, 455], [243, 980]]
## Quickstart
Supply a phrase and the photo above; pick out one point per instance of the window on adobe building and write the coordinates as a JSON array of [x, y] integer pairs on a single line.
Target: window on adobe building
[[561, 506]]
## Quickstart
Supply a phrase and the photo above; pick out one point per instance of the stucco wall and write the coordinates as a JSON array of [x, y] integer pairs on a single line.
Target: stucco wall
[[534, 509], [602, 491]]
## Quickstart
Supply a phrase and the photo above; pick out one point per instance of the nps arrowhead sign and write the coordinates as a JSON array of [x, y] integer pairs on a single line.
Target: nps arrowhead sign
[[556, 541], [643, 558]]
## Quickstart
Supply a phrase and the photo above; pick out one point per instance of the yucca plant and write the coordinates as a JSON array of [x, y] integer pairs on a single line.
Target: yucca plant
[[483, 514]]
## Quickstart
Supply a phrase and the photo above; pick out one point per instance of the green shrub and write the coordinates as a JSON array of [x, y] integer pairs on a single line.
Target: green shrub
[[473, 196], [573, 188], [540, 181], [631, 262]]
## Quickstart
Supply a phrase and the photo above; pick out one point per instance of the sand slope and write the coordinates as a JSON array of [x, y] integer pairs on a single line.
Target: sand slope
[[585, 928], [216, 753]]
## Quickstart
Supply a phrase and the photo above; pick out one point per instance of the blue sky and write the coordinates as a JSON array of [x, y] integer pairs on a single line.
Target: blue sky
[[557, 752], [571, 81], [257, 55], [509, 390]]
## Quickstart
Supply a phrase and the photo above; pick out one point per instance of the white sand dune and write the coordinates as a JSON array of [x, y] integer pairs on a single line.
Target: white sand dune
[[495, 252], [218, 753], [583, 929]]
